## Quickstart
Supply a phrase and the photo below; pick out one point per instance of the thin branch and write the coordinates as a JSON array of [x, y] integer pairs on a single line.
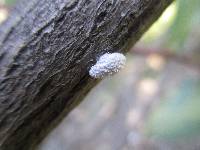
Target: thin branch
[[167, 54]]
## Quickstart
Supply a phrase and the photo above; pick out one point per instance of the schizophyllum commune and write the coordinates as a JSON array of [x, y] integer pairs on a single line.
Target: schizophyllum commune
[[108, 64]]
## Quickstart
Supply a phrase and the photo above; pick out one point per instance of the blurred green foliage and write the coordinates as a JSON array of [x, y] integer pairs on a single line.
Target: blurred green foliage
[[9, 2], [186, 20], [178, 115], [175, 25]]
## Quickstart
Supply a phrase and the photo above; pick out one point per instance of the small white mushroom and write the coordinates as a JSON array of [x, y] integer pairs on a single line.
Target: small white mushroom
[[108, 64]]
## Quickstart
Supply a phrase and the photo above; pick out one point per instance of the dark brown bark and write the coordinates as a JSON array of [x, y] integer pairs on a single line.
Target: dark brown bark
[[46, 49]]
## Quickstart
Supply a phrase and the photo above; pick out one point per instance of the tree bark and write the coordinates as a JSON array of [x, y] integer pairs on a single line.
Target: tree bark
[[46, 50]]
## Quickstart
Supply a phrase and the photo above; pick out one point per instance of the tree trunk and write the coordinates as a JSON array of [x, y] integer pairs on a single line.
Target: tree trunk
[[46, 50]]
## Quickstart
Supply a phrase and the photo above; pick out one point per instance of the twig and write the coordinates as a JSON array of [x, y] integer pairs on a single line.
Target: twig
[[188, 60]]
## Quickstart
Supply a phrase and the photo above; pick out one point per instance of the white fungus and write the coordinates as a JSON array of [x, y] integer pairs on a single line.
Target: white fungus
[[108, 64]]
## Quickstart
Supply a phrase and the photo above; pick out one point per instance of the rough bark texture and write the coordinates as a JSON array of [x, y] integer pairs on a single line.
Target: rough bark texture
[[46, 49]]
